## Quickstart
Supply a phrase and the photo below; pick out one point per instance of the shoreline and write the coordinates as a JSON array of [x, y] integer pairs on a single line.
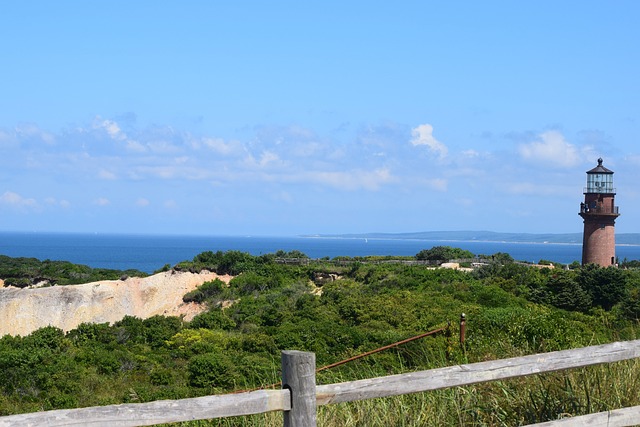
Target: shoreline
[[414, 239]]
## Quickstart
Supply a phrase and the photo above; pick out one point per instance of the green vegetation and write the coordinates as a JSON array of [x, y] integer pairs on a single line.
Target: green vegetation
[[443, 253], [23, 272], [339, 308]]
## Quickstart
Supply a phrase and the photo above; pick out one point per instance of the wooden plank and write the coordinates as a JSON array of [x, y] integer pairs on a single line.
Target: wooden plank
[[208, 407], [616, 418], [460, 375], [161, 411], [299, 376]]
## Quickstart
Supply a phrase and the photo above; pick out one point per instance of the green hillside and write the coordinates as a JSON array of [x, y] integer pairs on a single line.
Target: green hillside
[[340, 308], [22, 272]]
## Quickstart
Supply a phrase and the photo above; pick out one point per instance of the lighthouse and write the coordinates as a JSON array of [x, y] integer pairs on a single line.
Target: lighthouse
[[599, 213]]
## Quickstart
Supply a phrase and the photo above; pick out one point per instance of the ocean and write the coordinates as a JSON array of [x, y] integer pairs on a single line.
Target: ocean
[[149, 253]]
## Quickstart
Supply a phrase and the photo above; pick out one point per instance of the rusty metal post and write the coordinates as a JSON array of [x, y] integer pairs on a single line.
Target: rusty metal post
[[462, 328]]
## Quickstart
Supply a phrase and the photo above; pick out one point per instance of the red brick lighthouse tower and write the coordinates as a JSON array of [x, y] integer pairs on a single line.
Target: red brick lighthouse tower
[[599, 213]]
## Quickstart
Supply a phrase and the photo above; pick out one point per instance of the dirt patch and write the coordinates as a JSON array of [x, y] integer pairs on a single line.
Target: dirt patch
[[23, 311]]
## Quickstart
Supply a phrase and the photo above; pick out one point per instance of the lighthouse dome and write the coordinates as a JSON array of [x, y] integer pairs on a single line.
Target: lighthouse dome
[[600, 180]]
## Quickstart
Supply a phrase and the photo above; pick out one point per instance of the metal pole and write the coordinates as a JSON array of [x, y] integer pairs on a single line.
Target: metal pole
[[462, 328]]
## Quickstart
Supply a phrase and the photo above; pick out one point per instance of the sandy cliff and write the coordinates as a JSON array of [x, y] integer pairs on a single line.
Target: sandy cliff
[[22, 311]]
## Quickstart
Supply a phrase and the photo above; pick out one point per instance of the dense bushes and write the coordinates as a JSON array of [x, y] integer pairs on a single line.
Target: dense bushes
[[511, 310], [205, 291], [443, 253], [230, 262], [23, 272], [580, 289]]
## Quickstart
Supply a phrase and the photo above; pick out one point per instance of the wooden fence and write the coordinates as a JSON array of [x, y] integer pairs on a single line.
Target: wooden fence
[[300, 396]]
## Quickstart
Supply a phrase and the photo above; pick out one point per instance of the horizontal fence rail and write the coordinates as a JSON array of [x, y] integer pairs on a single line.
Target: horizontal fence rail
[[299, 380], [459, 375], [160, 411], [617, 418]]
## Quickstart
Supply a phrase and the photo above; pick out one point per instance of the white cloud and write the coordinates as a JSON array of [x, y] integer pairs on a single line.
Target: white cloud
[[136, 147], [105, 174], [464, 202], [52, 201], [423, 135], [437, 184], [522, 188], [6, 138], [164, 172], [354, 180], [102, 201], [284, 196], [551, 148], [16, 201], [219, 146], [537, 189], [32, 131], [111, 128], [267, 158], [162, 146], [142, 202], [115, 133]]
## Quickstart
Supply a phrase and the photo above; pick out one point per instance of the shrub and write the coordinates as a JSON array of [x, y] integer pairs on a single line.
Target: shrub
[[212, 319], [443, 253], [158, 329], [211, 370], [17, 282], [205, 291]]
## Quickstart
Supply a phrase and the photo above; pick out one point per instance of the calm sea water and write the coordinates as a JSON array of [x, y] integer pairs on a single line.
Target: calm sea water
[[150, 253]]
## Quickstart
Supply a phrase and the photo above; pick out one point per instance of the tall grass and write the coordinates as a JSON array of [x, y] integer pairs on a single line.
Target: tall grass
[[513, 402]]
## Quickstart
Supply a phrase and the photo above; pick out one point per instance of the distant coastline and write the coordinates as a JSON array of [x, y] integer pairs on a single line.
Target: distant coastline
[[149, 253], [626, 239]]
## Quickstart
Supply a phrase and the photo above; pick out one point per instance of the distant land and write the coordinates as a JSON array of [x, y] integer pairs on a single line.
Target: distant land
[[486, 236]]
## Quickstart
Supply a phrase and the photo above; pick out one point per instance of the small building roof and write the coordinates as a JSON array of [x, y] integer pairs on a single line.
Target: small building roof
[[600, 168]]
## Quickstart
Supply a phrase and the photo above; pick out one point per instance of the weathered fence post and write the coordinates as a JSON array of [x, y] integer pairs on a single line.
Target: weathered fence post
[[299, 376]]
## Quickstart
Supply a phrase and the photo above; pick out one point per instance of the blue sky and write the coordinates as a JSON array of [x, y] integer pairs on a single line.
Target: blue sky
[[287, 117]]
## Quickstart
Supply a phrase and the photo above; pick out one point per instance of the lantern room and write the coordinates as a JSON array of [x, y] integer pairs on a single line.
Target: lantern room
[[600, 180]]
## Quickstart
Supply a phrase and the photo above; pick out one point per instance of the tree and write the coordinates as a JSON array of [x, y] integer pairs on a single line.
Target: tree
[[443, 253], [630, 306], [567, 293], [501, 258], [291, 254], [606, 286]]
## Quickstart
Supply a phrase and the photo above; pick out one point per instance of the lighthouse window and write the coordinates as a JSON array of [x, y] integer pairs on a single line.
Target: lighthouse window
[[602, 226]]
